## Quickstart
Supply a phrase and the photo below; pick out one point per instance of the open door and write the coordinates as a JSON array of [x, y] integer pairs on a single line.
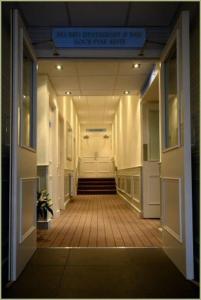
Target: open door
[[150, 152], [176, 149], [24, 174]]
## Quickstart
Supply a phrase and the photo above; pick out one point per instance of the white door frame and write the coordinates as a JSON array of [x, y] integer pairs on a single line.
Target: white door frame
[[187, 157]]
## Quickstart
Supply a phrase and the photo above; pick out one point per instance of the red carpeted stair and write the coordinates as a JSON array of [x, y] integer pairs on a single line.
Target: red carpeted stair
[[96, 186]]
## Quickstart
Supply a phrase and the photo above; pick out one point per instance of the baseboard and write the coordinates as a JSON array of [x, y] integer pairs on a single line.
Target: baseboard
[[57, 214], [66, 202], [137, 210]]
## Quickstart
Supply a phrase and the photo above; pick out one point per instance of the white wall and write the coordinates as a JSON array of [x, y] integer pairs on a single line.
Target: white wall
[[50, 110], [127, 133], [70, 116], [96, 143]]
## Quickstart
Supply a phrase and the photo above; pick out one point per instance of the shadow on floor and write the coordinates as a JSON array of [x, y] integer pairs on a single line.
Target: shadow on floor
[[101, 273]]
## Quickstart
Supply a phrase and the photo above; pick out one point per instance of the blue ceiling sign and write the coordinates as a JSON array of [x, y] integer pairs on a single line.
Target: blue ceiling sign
[[83, 37]]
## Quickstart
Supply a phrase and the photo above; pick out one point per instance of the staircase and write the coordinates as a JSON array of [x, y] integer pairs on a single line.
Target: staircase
[[96, 186]]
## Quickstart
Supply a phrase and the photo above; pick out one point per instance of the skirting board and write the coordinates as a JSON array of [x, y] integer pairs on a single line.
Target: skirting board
[[57, 214], [66, 202], [139, 213]]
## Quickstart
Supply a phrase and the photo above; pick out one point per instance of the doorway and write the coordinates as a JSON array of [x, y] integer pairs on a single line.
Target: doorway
[[126, 186], [98, 115]]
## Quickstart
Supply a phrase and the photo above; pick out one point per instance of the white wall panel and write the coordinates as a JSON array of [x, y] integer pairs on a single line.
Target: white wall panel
[[171, 189], [28, 206]]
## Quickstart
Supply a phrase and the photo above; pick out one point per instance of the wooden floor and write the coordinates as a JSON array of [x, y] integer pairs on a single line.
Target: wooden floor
[[100, 221]]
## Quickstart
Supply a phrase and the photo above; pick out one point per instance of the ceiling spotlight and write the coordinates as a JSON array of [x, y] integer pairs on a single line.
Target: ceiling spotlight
[[126, 92], [136, 66], [68, 93], [59, 67]]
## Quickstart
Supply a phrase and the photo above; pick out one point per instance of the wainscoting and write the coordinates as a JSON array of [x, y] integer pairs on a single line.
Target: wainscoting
[[129, 186], [96, 167]]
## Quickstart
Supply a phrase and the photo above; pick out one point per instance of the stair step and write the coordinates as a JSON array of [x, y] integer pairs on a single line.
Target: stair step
[[96, 192], [96, 179], [96, 186], [80, 186]]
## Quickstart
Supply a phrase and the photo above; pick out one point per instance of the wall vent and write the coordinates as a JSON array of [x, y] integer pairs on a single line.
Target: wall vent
[[96, 129]]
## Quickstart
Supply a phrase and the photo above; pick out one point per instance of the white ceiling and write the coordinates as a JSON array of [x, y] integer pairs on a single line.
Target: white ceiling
[[96, 109], [95, 77], [96, 85]]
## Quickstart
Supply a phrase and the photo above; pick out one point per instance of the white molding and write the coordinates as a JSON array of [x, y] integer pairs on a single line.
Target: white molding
[[26, 234], [57, 214], [137, 209], [152, 202], [173, 233], [66, 202], [22, 236], [136, 200], [178, 237]]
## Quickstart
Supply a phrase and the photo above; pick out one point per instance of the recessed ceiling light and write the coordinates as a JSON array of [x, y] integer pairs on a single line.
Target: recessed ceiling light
[[59, 67], [136, 66], [68, 93], [126, 92]]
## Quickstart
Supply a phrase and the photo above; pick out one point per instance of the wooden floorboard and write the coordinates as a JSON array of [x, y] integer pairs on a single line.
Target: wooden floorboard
[[100, 221]]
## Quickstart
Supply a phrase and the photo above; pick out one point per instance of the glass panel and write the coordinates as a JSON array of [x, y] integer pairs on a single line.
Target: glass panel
[[27, 99], [171, 99], [153, 135]]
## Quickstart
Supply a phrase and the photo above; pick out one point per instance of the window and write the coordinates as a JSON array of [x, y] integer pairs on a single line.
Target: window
[[27, 100], [171, 99]]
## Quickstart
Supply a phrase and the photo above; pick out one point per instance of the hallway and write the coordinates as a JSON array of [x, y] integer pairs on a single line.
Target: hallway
[[100, 149], [100, 221]]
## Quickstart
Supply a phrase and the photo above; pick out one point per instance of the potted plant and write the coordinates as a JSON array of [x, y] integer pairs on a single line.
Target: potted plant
[[44, 204]]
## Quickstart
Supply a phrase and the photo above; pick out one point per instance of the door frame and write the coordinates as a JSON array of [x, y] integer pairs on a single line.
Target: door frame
[[187, 165]]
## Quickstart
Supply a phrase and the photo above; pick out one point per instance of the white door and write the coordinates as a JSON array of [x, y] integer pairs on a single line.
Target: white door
[[150, 170], [24, 175], [61, 164], [176, 149]]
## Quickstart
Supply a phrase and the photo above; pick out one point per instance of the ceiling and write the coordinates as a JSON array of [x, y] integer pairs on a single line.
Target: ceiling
[[152, 94], [99, 13], [95, 85], [96, 109], [156, 18], [93, 77]]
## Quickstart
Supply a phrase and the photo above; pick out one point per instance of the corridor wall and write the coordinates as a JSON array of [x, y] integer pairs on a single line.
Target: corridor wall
[[127, 134], [54, 115], [71, 145], [127, 150]]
